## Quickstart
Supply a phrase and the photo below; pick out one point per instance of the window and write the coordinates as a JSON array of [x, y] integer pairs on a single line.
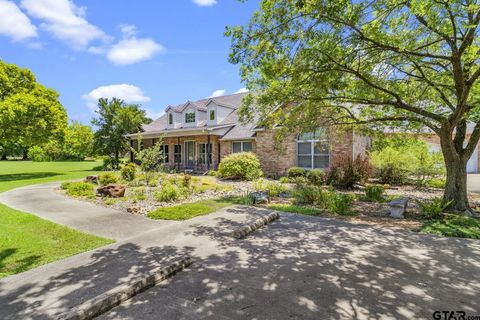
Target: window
[[205, 153], [190, 117], [164, 149], [170, 118], [212, 115], [313, 150], [241, 146], [177, 153]]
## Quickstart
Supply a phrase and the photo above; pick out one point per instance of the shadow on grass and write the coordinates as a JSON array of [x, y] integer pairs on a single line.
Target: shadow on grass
[[27, 176], [15, 266]]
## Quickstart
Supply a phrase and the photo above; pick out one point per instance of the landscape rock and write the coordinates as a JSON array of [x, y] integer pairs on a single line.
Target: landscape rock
[[133, 210], [398, 207], [91, 179], [260, 197], [111, 190]]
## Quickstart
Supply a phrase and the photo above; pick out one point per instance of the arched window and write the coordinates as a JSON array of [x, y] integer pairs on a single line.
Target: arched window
[[313, 149], [170, 118]]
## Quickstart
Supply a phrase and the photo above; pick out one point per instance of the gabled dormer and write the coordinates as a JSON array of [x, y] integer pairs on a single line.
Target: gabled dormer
[[173, 119], [217, 112]]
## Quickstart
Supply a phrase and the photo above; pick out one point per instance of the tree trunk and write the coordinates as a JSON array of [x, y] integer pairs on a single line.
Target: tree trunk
[[455, 194]]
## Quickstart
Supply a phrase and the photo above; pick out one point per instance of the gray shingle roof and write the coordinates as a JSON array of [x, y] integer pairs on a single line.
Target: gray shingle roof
[[233, 101]]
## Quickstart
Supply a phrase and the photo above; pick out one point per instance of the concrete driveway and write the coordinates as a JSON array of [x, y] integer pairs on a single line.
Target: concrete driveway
[[473, 182], [317, 268]]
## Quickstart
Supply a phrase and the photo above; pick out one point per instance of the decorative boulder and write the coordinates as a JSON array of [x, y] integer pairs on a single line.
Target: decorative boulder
[[91, 179], [260, 197], [398, 207], [111, 190], [133, 210]]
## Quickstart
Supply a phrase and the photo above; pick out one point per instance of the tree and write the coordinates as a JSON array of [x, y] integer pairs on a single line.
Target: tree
[[115, 120], [30, 114], [78, 141], [151, 159], [393, 63]]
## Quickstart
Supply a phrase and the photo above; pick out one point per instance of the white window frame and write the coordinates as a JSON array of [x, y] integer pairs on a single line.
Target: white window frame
[[170, 119], [241, 145], [312, 153], [189, 113], [205, 154]]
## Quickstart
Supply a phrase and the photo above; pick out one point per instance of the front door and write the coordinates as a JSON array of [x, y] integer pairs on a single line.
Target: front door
[[190, 154]]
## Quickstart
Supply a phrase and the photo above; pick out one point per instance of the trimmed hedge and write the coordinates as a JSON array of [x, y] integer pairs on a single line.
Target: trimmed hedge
[[242, 165]]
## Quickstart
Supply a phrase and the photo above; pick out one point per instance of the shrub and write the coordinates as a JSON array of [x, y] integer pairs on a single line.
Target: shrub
[[65, 185], [432, 209], [374, 193], [316, 177], [340, 204], [107, 177], [37, 154], [273, 188], [306, 194], [168, 193], [212, 173], [397, 159], [80, 189], [346, 172], [243, 165], [187, 181], [284, 180], [129, 171], [436, 183], [294, 172], [137, 194]]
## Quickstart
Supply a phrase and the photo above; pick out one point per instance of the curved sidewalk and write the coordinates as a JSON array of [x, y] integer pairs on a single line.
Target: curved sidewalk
[[43, 201]]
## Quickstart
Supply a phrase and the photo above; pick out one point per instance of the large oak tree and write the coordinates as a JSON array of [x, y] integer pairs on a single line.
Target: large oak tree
[[409, 63]]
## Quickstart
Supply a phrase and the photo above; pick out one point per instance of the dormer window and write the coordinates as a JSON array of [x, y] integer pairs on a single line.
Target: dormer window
[[190, 117], [212, 115], [170, 118]]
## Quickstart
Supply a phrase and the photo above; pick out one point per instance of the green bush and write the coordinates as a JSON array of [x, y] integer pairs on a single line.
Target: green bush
[[340, 204], [243, 166], [316, 177], [137, 194], [374, 193], [306, 194], [274, 188], [398, 159], [294, 172], [345, 172], [80, 189], [284, 180], [212, 173], [107, 177], [438, 183], [129, 171], [168, 193], [432, 209], [37, 154], [187, 181], [65, 185]]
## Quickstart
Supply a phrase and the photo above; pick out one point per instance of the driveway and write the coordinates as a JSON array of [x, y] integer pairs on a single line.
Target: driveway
[[473, 182], [304, 267], [299, 267]]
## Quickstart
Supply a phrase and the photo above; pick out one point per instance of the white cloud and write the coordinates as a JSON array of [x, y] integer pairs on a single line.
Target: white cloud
[[14, 23], [133, 50], [152, 114], [241, 90], [65, 21], [205, 3], [127, 92], [217, 93]]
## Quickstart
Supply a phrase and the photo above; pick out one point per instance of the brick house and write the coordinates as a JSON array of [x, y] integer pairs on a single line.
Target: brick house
[[197, 135]]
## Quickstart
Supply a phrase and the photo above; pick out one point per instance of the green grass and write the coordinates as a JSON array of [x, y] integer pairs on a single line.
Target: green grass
[[27, 241], [189, 210], [14, 174], [295, 209], [454, 226]]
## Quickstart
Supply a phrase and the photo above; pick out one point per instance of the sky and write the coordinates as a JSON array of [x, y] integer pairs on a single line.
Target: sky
[[151, 52]]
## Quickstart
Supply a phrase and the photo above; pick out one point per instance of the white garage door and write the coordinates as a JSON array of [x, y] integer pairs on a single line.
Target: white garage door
[[472, 164]]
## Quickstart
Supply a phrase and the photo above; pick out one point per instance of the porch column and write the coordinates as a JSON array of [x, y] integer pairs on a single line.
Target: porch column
[[209, 151]]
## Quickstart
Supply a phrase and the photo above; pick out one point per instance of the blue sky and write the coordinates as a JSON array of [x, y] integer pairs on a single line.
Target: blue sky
[[151, 52]]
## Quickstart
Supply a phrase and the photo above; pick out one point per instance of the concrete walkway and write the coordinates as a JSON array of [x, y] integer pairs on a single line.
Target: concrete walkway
[[299, 267], [143, 244]]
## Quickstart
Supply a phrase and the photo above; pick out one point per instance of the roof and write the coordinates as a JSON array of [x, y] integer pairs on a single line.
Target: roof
[[233, 101]]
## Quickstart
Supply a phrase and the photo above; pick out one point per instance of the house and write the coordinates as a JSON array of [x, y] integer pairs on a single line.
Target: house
[[197, 135]]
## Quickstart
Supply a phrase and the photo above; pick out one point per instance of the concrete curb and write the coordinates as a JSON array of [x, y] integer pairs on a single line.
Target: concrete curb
[[112, 298], [257, 224]]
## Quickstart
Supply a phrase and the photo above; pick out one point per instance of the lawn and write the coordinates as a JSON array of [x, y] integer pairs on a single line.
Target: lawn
[[14, 174], [454, 226], [27, 241], [190, 210]]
